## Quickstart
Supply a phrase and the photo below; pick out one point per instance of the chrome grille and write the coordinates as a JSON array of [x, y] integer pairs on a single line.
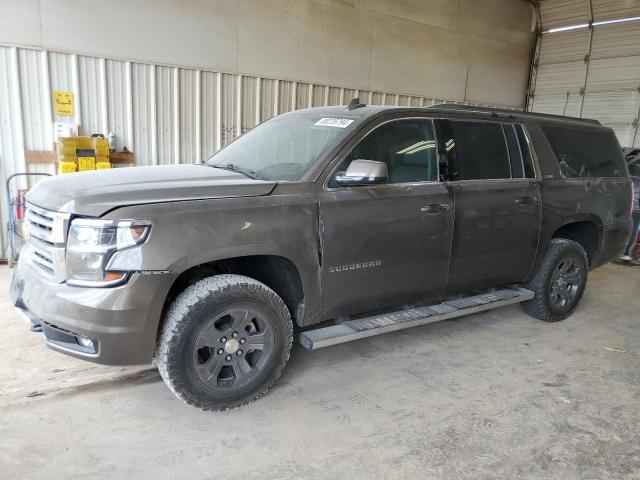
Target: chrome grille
[[46, 245], [40, 224]]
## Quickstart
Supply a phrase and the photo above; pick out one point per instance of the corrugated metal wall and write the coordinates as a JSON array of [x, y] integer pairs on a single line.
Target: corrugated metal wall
[[164, 114], [592, 71]]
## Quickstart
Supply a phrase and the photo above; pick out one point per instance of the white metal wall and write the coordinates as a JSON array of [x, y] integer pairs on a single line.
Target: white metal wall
[[164, 114], [592, 71]]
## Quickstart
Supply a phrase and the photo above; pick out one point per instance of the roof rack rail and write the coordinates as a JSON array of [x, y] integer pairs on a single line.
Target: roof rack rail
[[507, 112]]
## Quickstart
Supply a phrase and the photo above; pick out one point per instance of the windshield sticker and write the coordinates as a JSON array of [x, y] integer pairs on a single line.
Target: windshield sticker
[[334, 122]]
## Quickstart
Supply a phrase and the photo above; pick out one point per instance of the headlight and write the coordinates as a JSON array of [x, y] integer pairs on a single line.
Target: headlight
[[91, 243]]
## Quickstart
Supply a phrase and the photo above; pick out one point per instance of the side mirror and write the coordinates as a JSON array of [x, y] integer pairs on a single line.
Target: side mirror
[[363, 172]]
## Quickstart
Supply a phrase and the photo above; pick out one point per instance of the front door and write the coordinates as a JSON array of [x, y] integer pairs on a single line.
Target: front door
[[386, 245], [497, 204]]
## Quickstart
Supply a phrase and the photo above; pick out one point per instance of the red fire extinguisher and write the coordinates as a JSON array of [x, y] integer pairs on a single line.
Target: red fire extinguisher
[[19, 203]]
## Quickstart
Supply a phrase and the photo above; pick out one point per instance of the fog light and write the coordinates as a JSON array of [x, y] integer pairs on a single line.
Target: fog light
[[85, 342]]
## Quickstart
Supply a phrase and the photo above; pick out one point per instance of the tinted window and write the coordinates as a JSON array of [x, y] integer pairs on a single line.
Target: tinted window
[[446, 149], [527, 159], [406, 146], [585, 152], [480, 151], [515, 154]]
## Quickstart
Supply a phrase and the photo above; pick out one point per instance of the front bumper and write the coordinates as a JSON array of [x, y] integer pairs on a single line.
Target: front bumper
[[122, 321]]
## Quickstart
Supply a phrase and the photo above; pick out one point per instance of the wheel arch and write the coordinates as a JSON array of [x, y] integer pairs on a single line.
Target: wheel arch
[[277, 272], [584, 231]]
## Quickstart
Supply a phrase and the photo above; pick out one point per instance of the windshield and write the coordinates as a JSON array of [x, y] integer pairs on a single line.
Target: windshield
[[283, 148]]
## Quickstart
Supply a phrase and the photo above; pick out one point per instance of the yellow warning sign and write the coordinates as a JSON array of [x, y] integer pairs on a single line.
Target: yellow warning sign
[[63, 103]]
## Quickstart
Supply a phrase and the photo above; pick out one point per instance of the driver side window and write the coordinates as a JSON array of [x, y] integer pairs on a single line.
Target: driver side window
[[408, 147]]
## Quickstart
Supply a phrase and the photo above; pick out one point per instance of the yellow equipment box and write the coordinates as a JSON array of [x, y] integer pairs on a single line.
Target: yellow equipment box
[[86, 163], [66, 167], [102, 165], [84, 152]]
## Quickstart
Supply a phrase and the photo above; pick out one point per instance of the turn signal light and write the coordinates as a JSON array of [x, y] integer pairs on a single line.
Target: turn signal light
[[114, 276]]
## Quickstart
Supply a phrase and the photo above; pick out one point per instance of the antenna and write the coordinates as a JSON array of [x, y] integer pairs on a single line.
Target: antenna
[[355, 103]]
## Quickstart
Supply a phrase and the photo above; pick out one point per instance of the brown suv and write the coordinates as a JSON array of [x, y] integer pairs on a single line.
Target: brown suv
[[326, 219]]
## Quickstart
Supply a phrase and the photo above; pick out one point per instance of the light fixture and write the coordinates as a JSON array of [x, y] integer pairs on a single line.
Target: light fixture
[[598, 23]]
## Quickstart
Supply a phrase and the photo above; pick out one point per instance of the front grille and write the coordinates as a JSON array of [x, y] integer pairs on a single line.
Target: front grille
[[47, 236]]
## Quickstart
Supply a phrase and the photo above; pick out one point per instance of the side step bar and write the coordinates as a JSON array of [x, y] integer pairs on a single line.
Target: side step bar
[[390, 322]]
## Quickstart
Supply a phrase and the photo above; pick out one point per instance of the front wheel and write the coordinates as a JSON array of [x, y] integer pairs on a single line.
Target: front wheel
[[559, 282], [225, 341]]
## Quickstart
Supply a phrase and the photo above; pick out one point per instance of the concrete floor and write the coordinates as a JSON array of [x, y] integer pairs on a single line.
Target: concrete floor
[[495, 395], [29, 370]]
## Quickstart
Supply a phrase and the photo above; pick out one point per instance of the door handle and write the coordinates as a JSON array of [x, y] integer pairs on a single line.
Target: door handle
[[435, 208], [526, 200]]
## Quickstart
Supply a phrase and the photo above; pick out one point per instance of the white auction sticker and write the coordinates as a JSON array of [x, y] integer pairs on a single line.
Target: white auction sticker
[[334, 122]]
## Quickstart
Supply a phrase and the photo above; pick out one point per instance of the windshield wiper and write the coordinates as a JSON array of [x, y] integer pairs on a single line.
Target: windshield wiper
[[234, 168]]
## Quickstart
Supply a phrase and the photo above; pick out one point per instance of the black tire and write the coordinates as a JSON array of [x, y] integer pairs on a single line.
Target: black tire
[[208, 312], [558, 293]]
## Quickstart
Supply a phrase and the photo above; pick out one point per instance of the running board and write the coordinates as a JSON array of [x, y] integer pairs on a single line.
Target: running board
[[390, 322]]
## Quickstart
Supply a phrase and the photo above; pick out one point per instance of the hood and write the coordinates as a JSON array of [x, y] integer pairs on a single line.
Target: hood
[[94, 193]]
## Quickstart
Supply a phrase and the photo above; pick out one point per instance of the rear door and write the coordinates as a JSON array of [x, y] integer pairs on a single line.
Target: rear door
[[497, 203], [385, 245]]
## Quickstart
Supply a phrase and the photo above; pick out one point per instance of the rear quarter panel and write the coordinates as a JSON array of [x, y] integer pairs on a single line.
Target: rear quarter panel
[[604, 201]]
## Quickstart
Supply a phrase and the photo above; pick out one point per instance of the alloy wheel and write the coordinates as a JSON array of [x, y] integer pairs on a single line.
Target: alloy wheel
[[232, 348], [565, 282]]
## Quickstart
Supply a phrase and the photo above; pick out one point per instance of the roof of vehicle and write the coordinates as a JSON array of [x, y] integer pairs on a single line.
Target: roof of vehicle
[[366, 110]]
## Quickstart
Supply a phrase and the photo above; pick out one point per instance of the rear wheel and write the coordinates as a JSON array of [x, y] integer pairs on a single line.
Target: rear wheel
[[225, 341], [559, 282]]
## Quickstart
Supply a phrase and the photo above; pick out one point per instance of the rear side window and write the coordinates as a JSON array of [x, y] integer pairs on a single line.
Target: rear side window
[[475, 150], [585, 152], [527, 159], [515, 154], [519, 151]]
